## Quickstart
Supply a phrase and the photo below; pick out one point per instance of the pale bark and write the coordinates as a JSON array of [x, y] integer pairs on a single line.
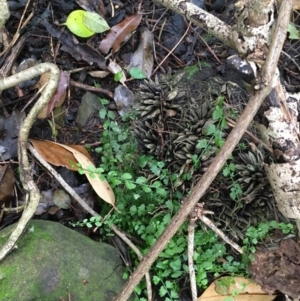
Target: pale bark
[[33, 193]]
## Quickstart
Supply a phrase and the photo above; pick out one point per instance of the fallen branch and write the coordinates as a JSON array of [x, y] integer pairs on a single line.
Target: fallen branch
[[213, 25], [33, 194], [256, 99], [191, 236]]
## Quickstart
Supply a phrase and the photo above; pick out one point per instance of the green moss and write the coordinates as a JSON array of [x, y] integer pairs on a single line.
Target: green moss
[[5, 276]]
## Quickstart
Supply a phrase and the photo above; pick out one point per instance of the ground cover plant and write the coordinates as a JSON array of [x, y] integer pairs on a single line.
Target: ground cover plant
[[146, 205]]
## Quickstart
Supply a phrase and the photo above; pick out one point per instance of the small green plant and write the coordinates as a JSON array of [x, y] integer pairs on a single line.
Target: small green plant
[[254, 235], [146, 206], [215, 133]]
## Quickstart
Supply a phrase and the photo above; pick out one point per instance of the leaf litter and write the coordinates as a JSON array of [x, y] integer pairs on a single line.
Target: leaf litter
[[78, 50]]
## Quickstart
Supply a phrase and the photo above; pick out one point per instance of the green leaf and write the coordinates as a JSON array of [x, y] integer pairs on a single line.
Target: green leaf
[[118, 76], [211, 129], [104, 101], [146, 189], [155, 280], [126, 176], [102, 113], [94, 22], [202, 144], [168, 284], [226, 171], [176, 264], [141, 180], [218, 113], [111, 115], [130, 185], [76, 25], [162, 291], [137, 73], [293, 32]]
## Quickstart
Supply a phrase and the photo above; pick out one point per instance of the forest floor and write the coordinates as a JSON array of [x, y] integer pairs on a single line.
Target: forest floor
[[240, 197]]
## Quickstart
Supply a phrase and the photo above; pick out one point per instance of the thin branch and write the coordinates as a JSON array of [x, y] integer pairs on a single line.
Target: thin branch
[[211, 225], [62, 182], [213, 25], [159, 65], [236, 134], [91, 88], [191, 235], [33, 193]]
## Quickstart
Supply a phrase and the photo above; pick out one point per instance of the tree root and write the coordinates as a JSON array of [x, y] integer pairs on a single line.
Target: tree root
[[33, 193]]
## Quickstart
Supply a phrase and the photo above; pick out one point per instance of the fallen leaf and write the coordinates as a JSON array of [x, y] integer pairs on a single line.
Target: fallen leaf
[[119, 34], [76, 24], [95, 22], [142, 58], [101, 187], [99, 73], [68, 156], [59, 95], [225, 286], [71, 45], [58, 156]]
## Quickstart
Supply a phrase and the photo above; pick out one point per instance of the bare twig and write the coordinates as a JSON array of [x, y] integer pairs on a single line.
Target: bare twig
[[62, 182], [210, 224], [93, 89], [191, 235], [33, 194], [213, 25], [236, 134], [188, 28]]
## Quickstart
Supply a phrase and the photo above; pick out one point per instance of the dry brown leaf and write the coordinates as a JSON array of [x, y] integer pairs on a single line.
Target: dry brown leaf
[[119, 34], [101, 187], [68, 156], [58, 156], [248, 290], [59, 95]]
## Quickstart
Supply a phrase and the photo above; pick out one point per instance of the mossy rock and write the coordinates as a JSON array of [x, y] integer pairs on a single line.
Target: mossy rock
[[52, 261]]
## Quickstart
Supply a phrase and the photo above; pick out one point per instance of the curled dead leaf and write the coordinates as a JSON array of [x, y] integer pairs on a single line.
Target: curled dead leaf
[[68, 156]]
